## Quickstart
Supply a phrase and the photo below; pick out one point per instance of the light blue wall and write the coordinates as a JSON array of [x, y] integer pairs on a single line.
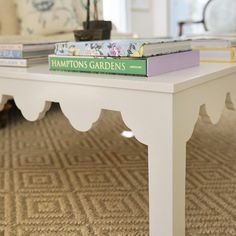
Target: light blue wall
[[186, 10]]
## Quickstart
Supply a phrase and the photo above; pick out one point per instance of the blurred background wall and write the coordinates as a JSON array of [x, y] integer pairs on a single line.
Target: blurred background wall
[[153, 17]]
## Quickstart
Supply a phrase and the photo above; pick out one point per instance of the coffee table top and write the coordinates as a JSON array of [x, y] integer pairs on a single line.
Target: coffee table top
[[167, 83]]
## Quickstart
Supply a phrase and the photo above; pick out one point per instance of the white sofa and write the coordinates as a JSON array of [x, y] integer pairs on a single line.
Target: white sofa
[[9, 22]]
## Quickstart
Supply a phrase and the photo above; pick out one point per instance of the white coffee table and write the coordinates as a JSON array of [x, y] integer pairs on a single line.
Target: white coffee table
[[161, 111]]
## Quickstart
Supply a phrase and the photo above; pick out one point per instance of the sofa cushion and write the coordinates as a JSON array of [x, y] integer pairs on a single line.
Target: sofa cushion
[[8, 18], [9, 23], [44, 17]]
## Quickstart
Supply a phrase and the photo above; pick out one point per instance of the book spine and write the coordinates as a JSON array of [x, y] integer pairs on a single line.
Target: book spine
[[99, 65], [172, 62], [14, 47], [15, 54], [218, 55], [13, 62]]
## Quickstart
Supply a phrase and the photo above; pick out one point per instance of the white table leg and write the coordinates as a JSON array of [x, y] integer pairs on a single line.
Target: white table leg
[[167, 164], [165, 123], [167, 161]]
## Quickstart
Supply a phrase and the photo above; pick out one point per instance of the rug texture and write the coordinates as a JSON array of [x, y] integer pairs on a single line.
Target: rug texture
[[56, 181]]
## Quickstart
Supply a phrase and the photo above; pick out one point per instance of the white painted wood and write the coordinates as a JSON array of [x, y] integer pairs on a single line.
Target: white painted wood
[[166, 161], [161, 111], [167, 83]]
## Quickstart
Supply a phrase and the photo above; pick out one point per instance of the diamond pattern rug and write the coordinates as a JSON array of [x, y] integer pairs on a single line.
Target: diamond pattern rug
[[55, 181]]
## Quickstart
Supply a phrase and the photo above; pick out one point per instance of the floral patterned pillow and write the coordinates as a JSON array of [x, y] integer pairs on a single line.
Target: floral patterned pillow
[[44, 17]]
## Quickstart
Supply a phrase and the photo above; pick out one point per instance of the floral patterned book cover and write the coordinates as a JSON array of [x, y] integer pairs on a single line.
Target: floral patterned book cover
[[122, 48]]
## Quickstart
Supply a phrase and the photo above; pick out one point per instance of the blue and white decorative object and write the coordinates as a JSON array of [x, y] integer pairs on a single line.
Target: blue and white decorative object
[[45, 17]]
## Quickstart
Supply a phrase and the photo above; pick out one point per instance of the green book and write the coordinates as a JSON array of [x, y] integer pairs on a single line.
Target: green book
[[144, 66], [136, 66]]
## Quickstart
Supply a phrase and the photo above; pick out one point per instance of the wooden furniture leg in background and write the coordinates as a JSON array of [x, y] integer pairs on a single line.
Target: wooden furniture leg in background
[[4, 115]]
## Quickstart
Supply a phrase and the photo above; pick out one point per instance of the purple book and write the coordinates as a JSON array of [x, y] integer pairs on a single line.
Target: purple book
[[162, 64]]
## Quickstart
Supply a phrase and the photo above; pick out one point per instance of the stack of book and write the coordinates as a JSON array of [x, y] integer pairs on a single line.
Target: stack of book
[[144, 57], [216, 49], [22, 52]]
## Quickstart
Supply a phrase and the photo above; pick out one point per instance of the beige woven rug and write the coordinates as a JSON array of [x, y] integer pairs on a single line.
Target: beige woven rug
[[55, 181]]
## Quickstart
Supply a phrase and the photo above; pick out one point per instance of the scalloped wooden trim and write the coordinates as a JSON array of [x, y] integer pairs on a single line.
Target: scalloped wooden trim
[[163, 121]]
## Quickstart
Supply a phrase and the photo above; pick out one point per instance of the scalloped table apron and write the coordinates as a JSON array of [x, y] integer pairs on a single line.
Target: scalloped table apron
[[161, 111]]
